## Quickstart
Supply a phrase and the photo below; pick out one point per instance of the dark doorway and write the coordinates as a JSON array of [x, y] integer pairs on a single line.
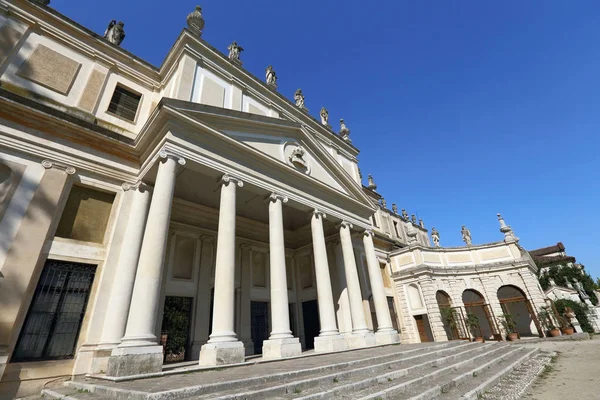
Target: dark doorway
[[259, 324], [421, 328], [175, 331], [312, 327], [56, 312]]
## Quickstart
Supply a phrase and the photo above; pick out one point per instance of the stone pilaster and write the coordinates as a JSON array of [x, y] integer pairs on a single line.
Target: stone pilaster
[[433, 312]]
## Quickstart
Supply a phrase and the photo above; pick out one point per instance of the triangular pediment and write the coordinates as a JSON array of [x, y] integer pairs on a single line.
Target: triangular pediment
[[287, 143]]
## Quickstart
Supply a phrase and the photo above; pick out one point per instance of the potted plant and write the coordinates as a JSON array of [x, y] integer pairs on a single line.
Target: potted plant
[[565, 325], [510, 326], [473, 324], [449, 319], [547, 322]]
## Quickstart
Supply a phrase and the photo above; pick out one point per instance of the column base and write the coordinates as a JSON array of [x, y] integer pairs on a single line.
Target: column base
[[325, 344], [249, 346], [360, 340], [100, 360], [387, 337], [127, 361], [281, 348], [221, 353]]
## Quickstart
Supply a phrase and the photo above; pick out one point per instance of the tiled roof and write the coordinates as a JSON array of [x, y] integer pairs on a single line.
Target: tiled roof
[[557, 248]]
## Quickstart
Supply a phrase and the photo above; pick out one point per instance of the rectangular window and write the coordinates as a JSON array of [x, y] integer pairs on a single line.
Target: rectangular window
[[396, 229], [54, 318], [124, 103]]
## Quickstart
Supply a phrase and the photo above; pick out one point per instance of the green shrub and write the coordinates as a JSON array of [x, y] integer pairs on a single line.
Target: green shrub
[[581, 311]]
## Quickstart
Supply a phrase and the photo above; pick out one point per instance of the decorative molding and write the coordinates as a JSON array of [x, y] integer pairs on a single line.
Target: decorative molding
[[52, 164], [226, 179]]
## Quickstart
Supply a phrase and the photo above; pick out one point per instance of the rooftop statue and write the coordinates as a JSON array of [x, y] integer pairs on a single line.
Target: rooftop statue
[[234, 52], [324, 116], [195, 21], [270, 76], [404, 214], [394, 208], [383, 203], [421, 223], [372, 184], [466, 236], [344, 131], [115, 32], [299, 98], [435, 236], [413, 219]]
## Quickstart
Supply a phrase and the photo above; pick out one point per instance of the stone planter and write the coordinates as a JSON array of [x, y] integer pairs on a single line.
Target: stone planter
[[568, 331], [513, 336], [554, 332]]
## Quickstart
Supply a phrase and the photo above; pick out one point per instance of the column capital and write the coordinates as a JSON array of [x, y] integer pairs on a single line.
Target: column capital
[[346, 224], [48, 164], [317, 213], [165, 154], [226, 179], [275, 197], [138, 185], [368, 232]]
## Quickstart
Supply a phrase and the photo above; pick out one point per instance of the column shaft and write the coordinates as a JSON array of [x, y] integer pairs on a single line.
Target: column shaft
[[359, 323], [122, 288], [280, 314], [324, 292], [384, 321], [148, 279], [223, 309]]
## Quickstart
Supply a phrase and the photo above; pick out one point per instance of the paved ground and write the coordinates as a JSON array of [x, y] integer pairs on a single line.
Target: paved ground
[[575, 373]]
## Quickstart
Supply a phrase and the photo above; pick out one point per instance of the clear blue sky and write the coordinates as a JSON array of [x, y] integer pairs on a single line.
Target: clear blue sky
[[461, 109]]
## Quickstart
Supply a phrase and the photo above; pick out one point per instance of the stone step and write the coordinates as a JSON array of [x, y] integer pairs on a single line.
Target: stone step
[[266, 374], [318, 382], [67, 393]]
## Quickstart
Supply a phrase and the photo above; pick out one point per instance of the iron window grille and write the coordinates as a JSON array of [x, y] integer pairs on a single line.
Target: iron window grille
[[124, 103]]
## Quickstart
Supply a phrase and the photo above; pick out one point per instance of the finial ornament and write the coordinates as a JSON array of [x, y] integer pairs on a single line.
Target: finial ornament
[[435, 236], [509, 234], [115, 33], [324, 117], [466, 236], [271, 77], [234, 53], [195, 21], [299, 99], [372, 184], [344, 131]]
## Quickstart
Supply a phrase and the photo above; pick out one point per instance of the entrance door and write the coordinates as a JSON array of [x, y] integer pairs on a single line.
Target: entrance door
[[421, 328], [259, 324], [312, 327], [175, 330]]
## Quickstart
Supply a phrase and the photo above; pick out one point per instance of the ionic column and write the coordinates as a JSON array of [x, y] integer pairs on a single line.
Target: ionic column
[[385, 330], [223, 346], [281, 343], [359, 323], [139, 351], [122, 287], [324, 292]]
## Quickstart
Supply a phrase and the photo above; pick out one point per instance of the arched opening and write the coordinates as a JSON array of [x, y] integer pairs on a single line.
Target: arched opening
[[476, 306], [514, 302], [452, 317]]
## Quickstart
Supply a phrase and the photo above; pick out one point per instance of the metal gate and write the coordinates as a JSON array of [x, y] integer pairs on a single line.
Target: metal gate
[[56, 312]]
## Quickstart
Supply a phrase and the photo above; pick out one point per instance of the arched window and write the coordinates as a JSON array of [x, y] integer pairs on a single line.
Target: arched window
[[414, 297], [515, 304]]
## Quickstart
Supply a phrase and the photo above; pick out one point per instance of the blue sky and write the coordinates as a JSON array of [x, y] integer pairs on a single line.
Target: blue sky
[[461, 109]]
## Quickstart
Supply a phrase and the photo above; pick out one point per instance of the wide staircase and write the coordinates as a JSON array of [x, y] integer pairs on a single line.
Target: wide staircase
[[451, 370]]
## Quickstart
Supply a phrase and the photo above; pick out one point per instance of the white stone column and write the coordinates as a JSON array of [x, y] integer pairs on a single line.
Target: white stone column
[[386, 333], [203, 296], [361, 336], [223, 346], [139, 351], [281, 343], [122, 288], [329, 338]]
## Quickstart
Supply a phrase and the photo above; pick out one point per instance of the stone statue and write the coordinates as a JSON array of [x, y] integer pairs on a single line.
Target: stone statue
[[383, 203], [413, 219], [299, 98], [435, 236], [324, 116], [234, 52], [115, 32], [372, 184], [195, 21], [466, 236], [394, 208], [271, 77], [404, 214], [421, 223], [344, 131]]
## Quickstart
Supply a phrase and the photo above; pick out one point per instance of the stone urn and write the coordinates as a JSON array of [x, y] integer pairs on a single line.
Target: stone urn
[[554, 332], [568, 330], [195, 21]]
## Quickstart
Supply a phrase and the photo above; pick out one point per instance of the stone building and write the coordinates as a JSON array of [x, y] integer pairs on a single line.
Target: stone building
[[128, 189]]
